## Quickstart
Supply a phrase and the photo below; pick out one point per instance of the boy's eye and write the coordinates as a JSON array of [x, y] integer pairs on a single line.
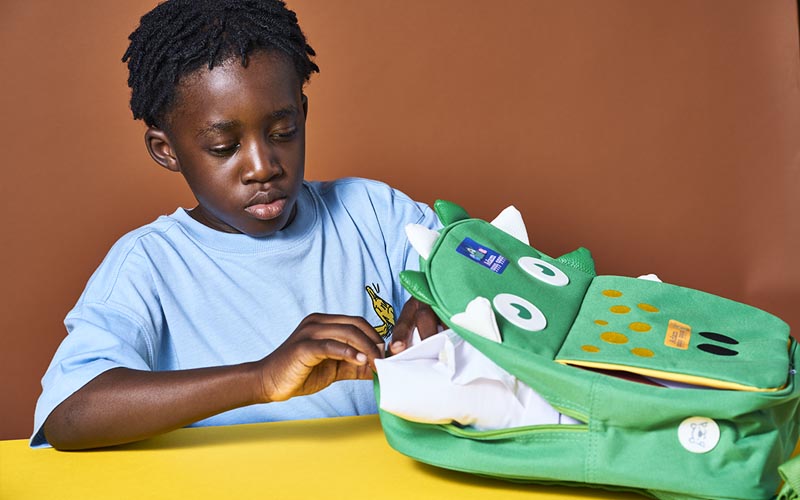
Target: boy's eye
[[224, 150], [283, 135]]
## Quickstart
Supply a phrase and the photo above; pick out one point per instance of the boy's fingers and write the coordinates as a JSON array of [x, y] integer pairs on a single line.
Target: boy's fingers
[[415, 314], [356, 321], [401, 333], [346, 334], [426, 321], [356, 364], [339, 351]]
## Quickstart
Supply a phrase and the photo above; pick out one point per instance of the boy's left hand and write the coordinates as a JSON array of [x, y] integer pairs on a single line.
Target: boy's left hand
[[415, 314]]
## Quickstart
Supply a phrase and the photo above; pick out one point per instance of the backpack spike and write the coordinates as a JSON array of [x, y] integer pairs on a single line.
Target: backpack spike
[[510, 222], [422, 239], [449, 212], [417, 285], [581, 259], [479, 318]]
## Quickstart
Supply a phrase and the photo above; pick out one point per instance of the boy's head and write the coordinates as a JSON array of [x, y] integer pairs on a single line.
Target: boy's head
[[180, 36], [220, 85]]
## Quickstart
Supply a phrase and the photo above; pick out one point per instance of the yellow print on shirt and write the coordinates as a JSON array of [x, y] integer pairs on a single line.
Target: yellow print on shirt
[[383, 309]]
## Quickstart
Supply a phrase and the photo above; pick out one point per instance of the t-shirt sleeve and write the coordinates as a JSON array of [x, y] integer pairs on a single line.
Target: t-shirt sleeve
[[111, 326], [99, 338]]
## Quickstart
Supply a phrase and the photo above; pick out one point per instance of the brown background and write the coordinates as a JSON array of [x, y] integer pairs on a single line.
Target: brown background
[[664, 135]]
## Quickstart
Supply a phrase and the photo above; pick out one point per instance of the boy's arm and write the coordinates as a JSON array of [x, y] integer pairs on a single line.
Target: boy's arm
[[124, 405]]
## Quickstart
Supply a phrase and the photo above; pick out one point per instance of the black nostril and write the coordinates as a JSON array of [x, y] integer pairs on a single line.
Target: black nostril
[[717, 350], [718, 337]]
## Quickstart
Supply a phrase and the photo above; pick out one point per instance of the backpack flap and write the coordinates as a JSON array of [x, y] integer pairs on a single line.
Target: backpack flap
[[677, 334]]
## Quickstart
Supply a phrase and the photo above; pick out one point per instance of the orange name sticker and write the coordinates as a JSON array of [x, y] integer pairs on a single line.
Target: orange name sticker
[[678, 335]]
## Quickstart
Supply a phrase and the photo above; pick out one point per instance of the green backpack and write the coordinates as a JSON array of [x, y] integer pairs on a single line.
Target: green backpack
[[568, 333]]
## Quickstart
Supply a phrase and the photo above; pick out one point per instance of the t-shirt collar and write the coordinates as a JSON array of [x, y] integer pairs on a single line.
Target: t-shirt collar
[[301, 227]]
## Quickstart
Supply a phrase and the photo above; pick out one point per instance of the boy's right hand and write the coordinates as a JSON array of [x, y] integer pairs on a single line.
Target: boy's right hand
[[323, 349]]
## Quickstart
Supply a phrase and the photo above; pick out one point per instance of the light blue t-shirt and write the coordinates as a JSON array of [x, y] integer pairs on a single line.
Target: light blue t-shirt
[[176, 294]]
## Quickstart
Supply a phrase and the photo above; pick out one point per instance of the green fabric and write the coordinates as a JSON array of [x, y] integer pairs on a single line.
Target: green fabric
[[790, 472], [758, 360], [455, 280], [629, 438]]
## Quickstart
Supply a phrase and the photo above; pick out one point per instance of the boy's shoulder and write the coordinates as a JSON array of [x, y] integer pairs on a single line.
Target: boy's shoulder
[[150, 233], [359, 192], [139, 243], [129, 258], [350, 186]]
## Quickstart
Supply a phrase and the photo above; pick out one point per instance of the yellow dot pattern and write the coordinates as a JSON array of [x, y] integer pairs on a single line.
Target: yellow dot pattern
[[617, 338], [614, 338], [642, 352]]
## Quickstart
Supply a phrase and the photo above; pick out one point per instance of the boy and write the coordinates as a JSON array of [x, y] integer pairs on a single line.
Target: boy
[[210, 315]]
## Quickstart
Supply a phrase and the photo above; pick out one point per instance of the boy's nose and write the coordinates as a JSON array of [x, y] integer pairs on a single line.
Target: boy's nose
[[260, 166]]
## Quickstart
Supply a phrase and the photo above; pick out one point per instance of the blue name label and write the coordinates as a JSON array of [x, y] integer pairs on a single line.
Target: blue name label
[[483, 255]]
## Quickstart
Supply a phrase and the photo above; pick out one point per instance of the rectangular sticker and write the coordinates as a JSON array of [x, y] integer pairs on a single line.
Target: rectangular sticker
[[678, 335], [483, 255]]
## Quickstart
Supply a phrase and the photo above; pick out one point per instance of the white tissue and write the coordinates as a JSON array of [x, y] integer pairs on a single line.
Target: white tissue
[[444, 379]]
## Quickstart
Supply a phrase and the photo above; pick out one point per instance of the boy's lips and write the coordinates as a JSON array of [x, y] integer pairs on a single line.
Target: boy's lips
[[266, 205]]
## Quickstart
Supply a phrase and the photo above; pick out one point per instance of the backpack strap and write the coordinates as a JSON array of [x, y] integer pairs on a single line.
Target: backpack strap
[[790, 472]]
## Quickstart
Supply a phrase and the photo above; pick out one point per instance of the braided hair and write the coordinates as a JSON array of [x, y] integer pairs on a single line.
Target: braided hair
[[178, 37]]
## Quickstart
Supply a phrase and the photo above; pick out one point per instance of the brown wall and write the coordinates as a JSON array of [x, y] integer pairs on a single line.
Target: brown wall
[[663, 135]]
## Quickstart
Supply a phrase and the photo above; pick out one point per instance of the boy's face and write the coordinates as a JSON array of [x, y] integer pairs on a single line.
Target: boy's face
[[238, 137]]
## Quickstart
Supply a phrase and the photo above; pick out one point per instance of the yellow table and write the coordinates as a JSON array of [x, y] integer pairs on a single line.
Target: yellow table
[[327, 458]]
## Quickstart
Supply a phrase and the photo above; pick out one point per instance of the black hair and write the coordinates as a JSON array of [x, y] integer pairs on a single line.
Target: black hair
[[178, 37]]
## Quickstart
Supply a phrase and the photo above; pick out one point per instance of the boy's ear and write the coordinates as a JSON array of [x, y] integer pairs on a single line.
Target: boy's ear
[[305, 105], [160, 149]]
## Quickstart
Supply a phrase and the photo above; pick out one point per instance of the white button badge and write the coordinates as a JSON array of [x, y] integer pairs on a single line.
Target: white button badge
[[698, 434]]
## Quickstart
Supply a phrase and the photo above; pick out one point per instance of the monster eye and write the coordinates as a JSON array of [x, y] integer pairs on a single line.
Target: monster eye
[[519, 312], [543, 271]]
